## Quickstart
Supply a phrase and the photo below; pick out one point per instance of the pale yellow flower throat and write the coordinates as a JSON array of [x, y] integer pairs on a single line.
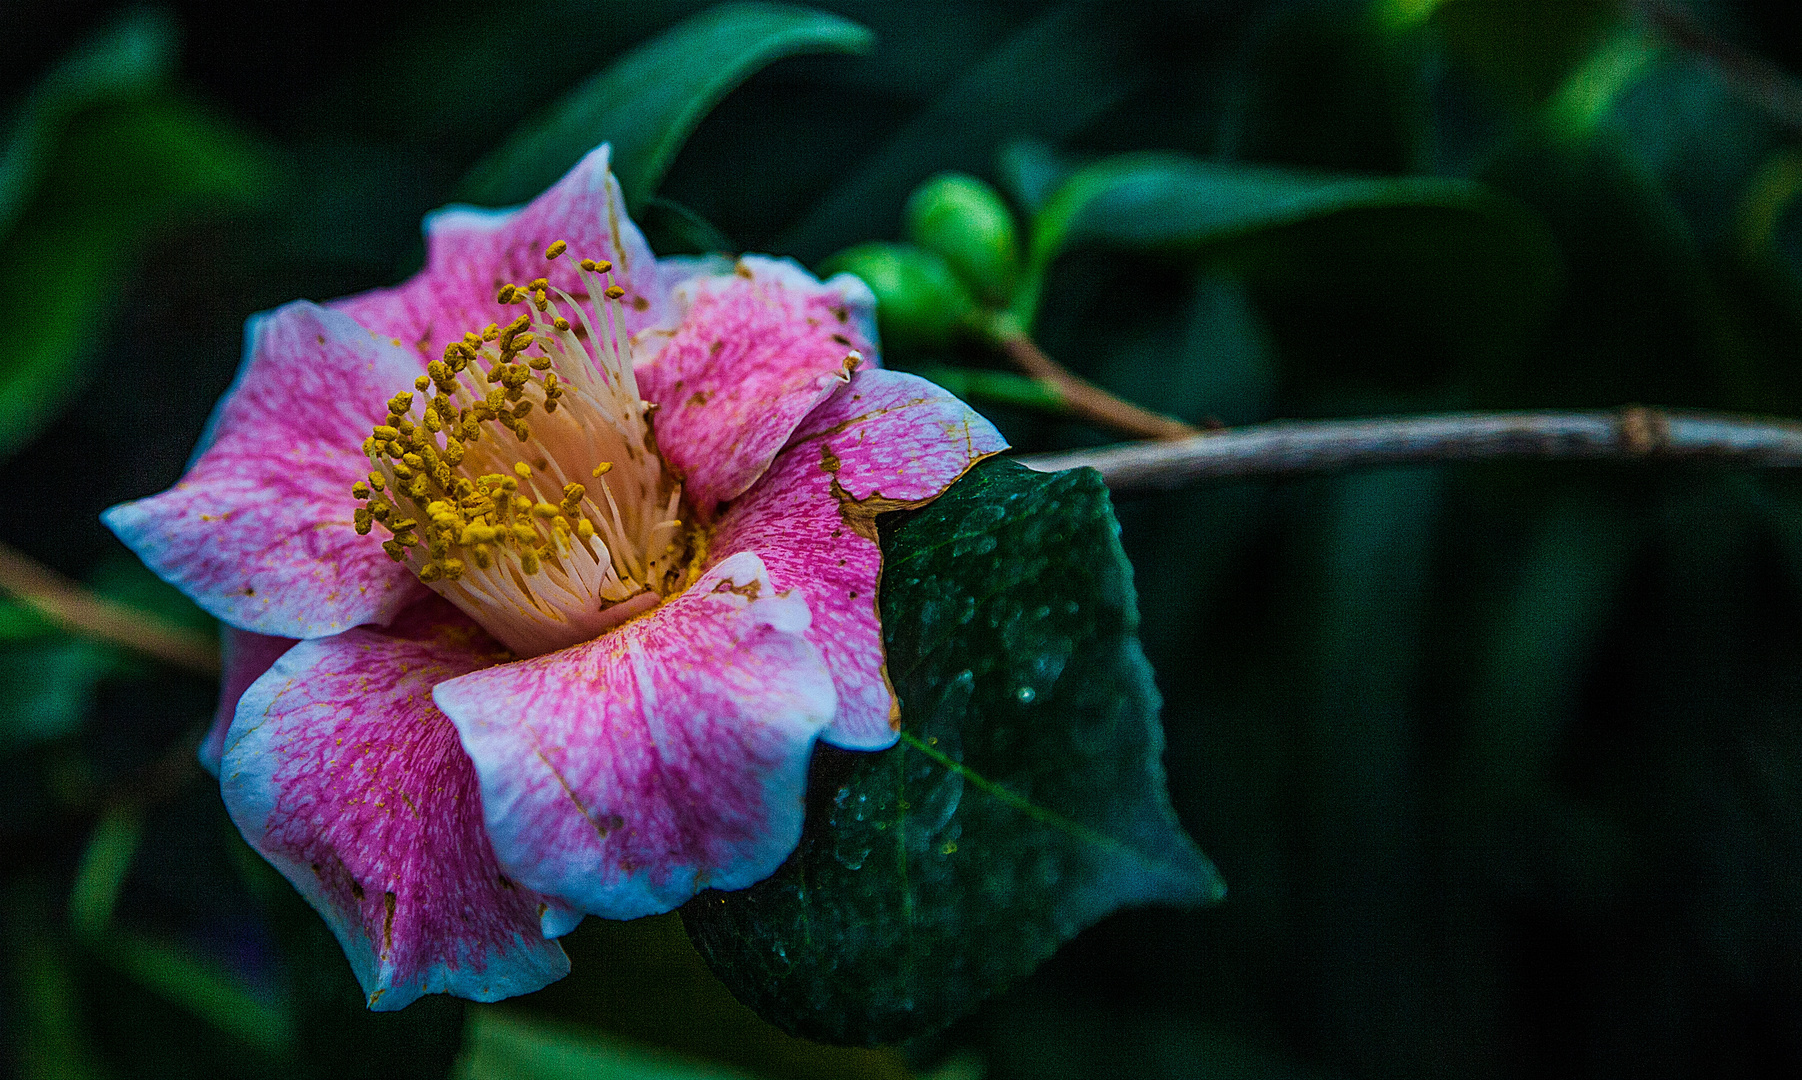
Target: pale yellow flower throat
[[521, 481]]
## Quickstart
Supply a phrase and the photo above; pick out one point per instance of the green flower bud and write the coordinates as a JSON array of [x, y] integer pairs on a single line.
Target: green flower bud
[[920, 303], [966, 221]]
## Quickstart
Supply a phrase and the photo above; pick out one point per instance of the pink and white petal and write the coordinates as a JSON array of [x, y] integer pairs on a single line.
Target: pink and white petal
[[244, 658], [667, 756], [345, 776], [259, 531], [470, 253], [754, 352], [886, 441]]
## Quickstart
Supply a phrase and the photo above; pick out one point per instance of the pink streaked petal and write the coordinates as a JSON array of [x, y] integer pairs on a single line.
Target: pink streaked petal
[[259, 530], [886, 441], [345, 776], [470, 253], [754, 352], [667, 756], [244, 658]]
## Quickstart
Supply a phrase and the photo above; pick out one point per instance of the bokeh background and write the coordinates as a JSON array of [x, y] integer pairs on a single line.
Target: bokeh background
[[1502, 764]]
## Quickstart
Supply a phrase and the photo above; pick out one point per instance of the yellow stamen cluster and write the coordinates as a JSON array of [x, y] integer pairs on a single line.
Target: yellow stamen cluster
[[474, 473]]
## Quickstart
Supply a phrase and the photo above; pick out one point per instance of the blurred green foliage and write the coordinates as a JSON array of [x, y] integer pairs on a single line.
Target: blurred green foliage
[[1501, 763]]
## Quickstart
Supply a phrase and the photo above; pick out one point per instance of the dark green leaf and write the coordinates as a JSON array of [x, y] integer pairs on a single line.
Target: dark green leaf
[[107, 859], [119, 171], [1451, 249], [1025, 800], [1524, 48], [648, 102], [47, 686], [503, 1045], [203, 987], [130, 57], [1054, 77], [44, 1017]]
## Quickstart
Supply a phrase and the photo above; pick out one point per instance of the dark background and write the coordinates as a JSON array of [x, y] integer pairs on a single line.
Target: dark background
[[1502, 764]]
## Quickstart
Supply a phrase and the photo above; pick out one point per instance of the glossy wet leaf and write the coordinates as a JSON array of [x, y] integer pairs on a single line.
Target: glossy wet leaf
[[648, 102], [1024, 802]]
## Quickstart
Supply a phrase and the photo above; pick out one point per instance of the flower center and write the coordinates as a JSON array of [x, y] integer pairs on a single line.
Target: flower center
[[522, 482]]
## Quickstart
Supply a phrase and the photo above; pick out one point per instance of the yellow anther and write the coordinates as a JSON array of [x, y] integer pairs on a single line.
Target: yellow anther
[[589, 265], [386, 433], [524, 470], [521, 431], [573, 494], [545, 510], [436, 507], [518, 324], [360, 489], [603, 469], [371, 447], [422, 383], [509, 484], [363, 520], [539, 363], [491, 331], [432, 423], [376, 481], [601, 266], [394, 550], [560, 323], [539, 285], [521, 342], [411, 461], [400, 403], [522, 409], [528, 562], [585, 528], [556, 249], [525, 534], [521, 504], [380, 510], [614, 292], [507, 294], [430, 572], [453, 568], [484, 557]]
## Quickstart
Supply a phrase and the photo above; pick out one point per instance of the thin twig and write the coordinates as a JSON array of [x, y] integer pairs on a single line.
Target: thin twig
[[1757, 79], [1087, 400], [79, 610], [1319, 445]]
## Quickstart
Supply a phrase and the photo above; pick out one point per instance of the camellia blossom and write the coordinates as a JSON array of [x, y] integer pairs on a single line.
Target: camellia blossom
[[541, 573]]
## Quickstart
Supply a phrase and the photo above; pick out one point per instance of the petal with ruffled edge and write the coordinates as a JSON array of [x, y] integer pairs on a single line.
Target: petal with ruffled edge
[[667, 756], [259, 531], [470, 253], [754, 352], [345, 776], [244, 657], [885, 442]]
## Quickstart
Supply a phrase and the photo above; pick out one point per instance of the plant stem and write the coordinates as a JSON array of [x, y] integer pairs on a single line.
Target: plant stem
[[80, 610], [1632, 433], [1083, 397]]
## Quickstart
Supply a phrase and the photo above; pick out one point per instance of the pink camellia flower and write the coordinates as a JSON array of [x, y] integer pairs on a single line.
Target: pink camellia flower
[[578, 550]]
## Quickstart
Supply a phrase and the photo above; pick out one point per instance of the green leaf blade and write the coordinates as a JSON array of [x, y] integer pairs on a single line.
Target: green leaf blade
[[1447, 250], [649, 101], [1025, 801]]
